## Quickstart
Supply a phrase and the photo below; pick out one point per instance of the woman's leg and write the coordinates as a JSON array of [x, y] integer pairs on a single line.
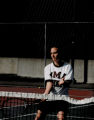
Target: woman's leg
[[39, 115]]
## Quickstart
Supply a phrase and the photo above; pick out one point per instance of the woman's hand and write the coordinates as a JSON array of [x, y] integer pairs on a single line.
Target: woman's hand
[[61, 82]]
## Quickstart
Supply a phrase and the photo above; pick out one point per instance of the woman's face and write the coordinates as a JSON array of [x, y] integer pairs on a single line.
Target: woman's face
[[54, 54]]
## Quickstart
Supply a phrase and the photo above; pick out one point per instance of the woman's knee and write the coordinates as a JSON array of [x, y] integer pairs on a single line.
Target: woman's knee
[[60, 115]]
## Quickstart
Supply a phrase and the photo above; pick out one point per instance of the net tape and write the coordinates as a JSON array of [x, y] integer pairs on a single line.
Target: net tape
[[47, 97]]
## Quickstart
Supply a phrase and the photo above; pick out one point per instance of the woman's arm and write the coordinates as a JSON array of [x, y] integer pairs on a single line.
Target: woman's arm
[[48, 87]]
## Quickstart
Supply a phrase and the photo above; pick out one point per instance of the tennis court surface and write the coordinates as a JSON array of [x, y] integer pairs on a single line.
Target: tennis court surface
[[18, 103]]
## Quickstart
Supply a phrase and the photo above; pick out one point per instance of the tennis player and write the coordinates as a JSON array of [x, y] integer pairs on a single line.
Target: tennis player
[[58, 75]]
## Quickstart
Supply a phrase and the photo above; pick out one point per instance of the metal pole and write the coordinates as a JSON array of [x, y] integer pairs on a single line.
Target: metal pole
[[45, 50], [45, 46]]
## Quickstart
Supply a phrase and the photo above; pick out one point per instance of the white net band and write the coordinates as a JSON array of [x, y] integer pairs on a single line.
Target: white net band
[[48, 97]]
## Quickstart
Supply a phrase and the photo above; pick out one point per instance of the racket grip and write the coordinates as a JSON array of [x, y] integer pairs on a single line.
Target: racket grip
[[56, 83]]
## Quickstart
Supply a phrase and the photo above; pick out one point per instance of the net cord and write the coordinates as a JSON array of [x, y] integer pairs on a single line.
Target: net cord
[[47, 97]]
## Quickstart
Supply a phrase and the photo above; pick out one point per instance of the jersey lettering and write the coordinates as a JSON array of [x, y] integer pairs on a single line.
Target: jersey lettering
[[55, 75]]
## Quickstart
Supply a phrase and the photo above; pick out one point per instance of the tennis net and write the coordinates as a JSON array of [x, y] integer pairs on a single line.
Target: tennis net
[[23, 106]]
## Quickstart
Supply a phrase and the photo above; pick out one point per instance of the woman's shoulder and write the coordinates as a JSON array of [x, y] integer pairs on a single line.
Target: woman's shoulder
[[48, 66]]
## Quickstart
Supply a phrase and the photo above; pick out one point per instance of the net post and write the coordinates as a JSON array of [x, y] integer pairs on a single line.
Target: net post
[[45, 48]]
